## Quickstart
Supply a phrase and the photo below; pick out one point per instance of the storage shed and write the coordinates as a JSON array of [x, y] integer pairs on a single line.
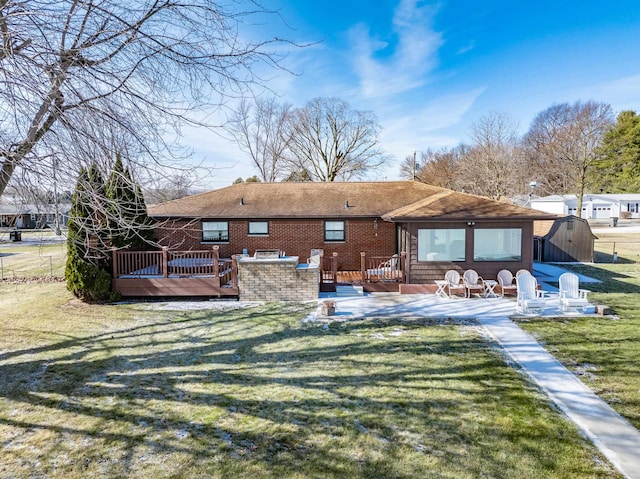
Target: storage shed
[[565, 239]]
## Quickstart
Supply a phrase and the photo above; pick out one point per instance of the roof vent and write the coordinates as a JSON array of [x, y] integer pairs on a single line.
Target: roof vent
[[346, 204], [242, 201]]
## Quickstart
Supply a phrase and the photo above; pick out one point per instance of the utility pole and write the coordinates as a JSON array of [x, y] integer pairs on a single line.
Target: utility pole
[[532, 185], [55, 196], [415, 166]]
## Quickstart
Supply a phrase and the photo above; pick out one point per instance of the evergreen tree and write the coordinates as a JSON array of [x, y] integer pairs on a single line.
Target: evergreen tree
[[618, 170], [86, 269], [129, 225], [145, 232]]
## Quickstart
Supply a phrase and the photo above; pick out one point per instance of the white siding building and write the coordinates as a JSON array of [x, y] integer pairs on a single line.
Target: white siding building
[[594, 206]]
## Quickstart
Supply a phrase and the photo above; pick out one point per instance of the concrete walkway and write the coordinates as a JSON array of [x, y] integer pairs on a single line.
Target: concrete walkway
[[610, 432], [618, 440]]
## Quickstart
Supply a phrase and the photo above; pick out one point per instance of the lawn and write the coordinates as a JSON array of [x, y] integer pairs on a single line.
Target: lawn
[[603, 352], [36, 257], [134, 390], [625, 245]]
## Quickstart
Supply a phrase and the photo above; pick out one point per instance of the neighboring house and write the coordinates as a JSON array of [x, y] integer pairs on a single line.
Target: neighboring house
[[29, 216], [594, 206], [564, 239], [437, 229]]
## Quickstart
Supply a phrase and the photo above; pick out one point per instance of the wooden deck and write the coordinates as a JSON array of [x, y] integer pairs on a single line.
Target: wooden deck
[[204, 273], [377, 274], [174, 273]]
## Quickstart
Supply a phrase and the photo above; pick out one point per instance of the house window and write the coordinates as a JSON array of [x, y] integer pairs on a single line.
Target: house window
[[334, 231], [497, 244], [215, 231], [259, 228], [441, 244]]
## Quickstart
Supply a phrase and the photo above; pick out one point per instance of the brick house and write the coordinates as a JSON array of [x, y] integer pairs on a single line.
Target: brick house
[[437, 229]]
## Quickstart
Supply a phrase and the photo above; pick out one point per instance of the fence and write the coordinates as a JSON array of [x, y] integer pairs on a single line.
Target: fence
[[608, 251], [20, 266]]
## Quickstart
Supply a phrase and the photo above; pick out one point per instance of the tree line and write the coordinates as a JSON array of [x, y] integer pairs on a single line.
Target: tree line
[[324, 140], [569, 148]]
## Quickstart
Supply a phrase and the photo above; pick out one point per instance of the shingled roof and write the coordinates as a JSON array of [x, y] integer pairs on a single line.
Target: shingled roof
[[391, 200]]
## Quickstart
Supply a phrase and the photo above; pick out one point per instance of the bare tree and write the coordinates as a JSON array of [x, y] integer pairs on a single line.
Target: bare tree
[[563, 144], [171, 187], [260, 132], [490, 166], [435, 167], [409, 167], [331, 141], [68, 68]]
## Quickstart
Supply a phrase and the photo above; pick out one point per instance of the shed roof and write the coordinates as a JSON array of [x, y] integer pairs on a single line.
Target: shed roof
[[542, 228], [391, 200]]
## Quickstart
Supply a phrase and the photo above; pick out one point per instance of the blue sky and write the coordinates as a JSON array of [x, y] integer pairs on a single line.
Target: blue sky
[[430, 69]]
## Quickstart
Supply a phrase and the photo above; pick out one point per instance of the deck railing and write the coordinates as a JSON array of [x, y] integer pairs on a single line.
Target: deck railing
[[383, 268], [193, 263], [174, 273], [139, 263], [165, 263], [373, 269]]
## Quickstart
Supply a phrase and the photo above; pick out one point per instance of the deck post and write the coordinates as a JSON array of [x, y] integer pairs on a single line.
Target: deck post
[[216, 257], [234, 271], [403, 266], [363, 266], [165, 261], [334, 267], [114, 262]]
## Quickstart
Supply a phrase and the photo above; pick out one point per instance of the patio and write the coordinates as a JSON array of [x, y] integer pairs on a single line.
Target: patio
[[431, 306]]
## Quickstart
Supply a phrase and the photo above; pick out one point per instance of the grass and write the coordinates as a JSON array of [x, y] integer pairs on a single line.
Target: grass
[[604, 352], [35, 257], [627, 247], [132, 390]]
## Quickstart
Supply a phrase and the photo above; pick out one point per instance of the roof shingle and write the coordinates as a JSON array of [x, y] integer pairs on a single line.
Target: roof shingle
[[391, 200]]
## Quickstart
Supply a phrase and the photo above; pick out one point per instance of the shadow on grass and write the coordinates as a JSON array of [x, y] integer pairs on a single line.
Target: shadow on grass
[[259, 387], [615, 277], [601, 257]]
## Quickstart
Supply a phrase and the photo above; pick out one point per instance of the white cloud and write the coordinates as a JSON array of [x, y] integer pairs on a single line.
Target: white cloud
[[437, 124], [413, 57], [621, 94]]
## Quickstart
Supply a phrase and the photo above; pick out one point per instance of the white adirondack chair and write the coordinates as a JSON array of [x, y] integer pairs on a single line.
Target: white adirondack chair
[[571, 296], [529, 298]]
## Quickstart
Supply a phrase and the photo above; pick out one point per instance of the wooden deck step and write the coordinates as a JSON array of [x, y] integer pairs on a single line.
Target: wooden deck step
[[349, 290]]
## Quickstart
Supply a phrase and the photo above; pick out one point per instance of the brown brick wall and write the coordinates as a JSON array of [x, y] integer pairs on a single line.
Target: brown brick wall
[[277, 280], [294, 237]]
